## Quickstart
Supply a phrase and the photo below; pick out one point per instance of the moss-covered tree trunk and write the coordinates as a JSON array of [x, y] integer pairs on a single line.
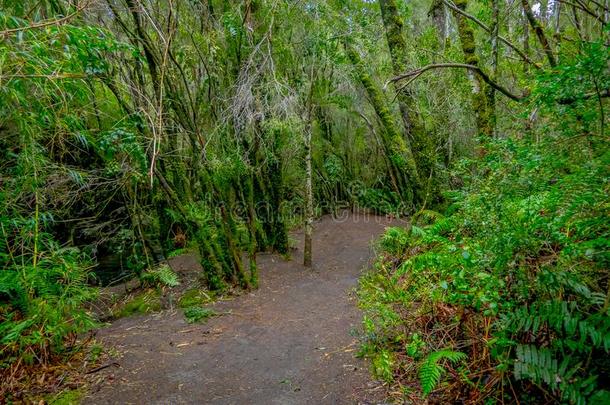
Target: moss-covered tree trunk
[[423, 147], [539, 31], [480, 93], [403, 164]]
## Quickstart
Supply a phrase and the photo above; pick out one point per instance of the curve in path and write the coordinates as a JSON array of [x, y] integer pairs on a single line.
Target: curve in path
[[289, 342]]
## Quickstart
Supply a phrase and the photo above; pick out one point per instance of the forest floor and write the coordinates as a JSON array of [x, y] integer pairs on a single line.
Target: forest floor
[[292, 341]]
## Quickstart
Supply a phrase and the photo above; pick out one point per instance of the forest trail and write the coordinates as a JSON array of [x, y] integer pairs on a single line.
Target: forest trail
[[289, 342]]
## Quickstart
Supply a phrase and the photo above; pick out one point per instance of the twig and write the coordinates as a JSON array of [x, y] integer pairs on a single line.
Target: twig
[[95, 370]]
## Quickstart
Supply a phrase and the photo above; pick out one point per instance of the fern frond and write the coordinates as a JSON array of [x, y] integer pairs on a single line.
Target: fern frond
[[162, 275], [430, 372]]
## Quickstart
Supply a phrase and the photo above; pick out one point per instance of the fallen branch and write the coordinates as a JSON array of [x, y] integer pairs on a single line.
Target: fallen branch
[[418, 72], [95, 370]]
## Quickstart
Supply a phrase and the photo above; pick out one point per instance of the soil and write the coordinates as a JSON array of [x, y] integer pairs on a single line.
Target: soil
[[292, 341]]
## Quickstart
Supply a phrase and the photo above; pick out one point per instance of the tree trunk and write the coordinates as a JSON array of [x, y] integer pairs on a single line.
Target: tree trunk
[[539, 31], [398, 147], [422, 145], [308, 195], [480, 101]]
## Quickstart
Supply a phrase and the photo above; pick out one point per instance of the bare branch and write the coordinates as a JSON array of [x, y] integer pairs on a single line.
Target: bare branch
[[418, 72]]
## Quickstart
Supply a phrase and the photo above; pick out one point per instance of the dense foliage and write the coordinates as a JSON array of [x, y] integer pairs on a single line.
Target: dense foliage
[[132, 131], [506, 297]]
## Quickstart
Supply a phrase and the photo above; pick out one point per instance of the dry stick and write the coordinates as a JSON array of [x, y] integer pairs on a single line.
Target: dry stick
[[416, 73], [95, 370], [488, 30]]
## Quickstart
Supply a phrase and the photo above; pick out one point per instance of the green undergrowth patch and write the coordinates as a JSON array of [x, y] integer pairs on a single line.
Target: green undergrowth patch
[[198, 314], [191, 248], [144, 302], [68, 397], [195, 297], [505, 298]]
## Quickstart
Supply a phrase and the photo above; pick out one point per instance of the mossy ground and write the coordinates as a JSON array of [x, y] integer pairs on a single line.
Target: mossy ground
[[192, 302], [198, 314], [144, 302], [195, 297]]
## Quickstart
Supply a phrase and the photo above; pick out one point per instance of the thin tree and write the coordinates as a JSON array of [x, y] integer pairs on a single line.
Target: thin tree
[[307, 251]]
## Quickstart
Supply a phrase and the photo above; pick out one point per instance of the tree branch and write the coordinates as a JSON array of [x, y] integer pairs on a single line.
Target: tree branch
[[488, 30], [537, 27], [418, 72], [43, 24], [603, 93]]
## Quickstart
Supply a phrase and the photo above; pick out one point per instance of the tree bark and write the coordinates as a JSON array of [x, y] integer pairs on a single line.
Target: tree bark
[[307, 251]]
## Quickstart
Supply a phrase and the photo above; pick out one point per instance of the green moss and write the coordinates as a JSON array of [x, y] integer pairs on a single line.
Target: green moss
[[195, 297], [69, 397], [394, 34], [143, 303]]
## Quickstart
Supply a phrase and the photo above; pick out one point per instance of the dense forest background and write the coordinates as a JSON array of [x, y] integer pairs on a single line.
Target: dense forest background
[[132, 129]]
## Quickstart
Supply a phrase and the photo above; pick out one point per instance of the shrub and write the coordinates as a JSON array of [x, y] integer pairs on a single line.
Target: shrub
[[40, 299]]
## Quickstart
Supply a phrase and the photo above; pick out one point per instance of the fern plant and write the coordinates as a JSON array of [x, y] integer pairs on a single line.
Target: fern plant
[[162, 275], [431, 370]]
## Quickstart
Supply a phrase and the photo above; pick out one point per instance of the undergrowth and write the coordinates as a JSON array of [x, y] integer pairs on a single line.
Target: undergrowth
[[505, 297], [198, 314]]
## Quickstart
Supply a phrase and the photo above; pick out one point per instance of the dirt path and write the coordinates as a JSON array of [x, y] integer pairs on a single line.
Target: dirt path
[[289, 342]]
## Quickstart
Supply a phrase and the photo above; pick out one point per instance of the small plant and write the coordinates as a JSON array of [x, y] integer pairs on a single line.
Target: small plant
[[431, 371], [414, 346], [143, 303], [161, 276], [198, 314], [94, 353], [383, 365]]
